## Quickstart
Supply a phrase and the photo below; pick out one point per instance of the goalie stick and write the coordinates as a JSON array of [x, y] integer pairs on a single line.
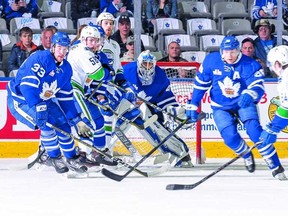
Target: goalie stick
[[119, 178], [192, 186], [149, 103], [146, 124], [118, 160]]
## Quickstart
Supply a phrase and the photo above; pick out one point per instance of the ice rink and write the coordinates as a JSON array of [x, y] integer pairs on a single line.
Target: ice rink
[[231, 192]]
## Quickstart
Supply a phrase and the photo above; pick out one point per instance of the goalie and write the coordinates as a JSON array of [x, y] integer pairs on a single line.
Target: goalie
[[150, 82]]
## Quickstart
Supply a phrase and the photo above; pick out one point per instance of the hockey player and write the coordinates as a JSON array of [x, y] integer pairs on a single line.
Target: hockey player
[[151, 83], [41, 92], [112, 50], [236, 86], [86, 70], [278, 62]]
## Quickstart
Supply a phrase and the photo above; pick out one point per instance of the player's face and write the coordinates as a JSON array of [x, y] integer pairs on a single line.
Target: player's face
[[147, 65], [93, 43], [230, 56], [248, 49], [108, 26], [59, 52]]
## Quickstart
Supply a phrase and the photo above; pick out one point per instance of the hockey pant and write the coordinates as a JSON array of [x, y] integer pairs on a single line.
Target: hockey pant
[[232, 138], [53, 141]]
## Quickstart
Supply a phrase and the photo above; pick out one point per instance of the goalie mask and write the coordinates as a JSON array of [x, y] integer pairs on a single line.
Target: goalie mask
[[146, 63]]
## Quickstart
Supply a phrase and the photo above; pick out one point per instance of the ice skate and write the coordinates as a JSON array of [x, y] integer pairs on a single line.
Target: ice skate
[[185, 162], [76, 165], [279, 174], [59, 165], [101, 159], [44, 159], [250, 163]]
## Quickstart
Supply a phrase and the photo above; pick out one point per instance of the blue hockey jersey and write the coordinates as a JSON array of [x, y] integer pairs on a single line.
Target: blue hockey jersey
[[40, 79], [159, 92], [226, 82]]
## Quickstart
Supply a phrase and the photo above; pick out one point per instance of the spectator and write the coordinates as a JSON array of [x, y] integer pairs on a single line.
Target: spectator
[[123, 32], [174, 53], [1, 8], [263, 9], [129, 55], [117, 7], [53, 28], [21, 50], [1, 56], [20, 8], [160, 9], [265, 41], [46, 37], [248, 48], [83, 8]]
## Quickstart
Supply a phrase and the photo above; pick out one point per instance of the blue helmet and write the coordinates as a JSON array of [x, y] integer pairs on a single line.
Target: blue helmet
[[61, 38], [229, 43], [100, 29]]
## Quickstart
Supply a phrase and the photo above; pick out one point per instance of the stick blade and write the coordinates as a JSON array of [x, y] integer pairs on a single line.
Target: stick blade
[[112, 175], [180, 187]]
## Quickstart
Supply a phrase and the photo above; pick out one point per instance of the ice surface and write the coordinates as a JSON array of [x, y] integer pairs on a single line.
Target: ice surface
[[231, 192]]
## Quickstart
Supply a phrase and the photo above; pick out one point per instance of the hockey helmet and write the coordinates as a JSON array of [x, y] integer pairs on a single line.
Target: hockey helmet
[[105, 16], [89, 31], [100, 29], [61, 38], [229, 43], [146, 63], [279, 54]]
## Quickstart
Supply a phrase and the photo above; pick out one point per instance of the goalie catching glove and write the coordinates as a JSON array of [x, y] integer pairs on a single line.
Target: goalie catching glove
[[83, 126]]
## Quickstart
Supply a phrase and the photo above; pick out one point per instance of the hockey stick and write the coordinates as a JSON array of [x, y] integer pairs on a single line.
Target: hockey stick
[[118, 160], [119, 178], [192, 186], [126, 142], [149, 103], [146, 124], [32, 163]]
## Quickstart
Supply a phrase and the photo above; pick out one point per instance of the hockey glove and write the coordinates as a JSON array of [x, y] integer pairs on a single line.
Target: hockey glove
[[129, 94], [269, 135], [191, 112], [107, 111], [246, 98], [41, 114], [83, 126]]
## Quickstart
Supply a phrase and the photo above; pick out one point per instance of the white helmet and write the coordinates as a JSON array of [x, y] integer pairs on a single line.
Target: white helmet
[[278, 53], [146, 63], [105, 16], [89, 31]]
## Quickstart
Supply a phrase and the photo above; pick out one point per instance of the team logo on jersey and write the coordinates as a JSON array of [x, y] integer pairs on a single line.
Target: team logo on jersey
[[48, 91], [52, 73], [274, 104], [229, 89], [217, 72]]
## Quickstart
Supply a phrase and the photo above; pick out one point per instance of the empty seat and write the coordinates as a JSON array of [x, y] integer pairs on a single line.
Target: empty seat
[[61, 23], [224, 10], [87, 21], [194, 56], [158, 55], [236, 27], [192, 9], [210, 43], [50, 9], [17, 23], [3, 26], [7, 43], [201, 26], [2, 74], [186, 42], [148, 42], [166, 26], [68, 10]]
